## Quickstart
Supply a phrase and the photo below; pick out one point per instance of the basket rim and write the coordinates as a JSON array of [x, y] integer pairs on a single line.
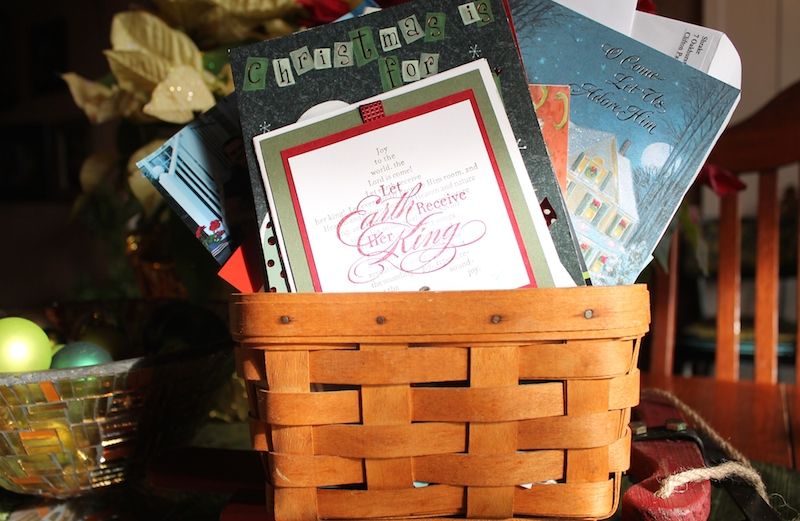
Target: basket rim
[[491, 315]]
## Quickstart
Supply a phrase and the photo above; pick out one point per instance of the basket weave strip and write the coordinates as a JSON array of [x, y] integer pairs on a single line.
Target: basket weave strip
[[443, 501], [511, 403], [459, 469], [474, 394], [538, 415], [580, 359]]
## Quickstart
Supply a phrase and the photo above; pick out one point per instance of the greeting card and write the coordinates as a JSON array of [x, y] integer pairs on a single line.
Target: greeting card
[[421, 187], [552, 110], [309, 72], [641, 125], [196, 169]]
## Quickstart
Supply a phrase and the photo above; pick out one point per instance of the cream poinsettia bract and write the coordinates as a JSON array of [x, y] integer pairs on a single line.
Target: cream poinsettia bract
[[150, 57], [144, 191], [220, 22], [180, 95], [148, 34], [159, 68], [99, 102]]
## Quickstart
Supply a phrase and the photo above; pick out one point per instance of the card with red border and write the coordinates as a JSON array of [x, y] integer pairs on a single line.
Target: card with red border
[[280, 80], [422, 187]]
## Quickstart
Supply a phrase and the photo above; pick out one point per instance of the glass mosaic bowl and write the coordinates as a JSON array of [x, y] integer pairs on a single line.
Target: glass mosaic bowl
[[66, 432]]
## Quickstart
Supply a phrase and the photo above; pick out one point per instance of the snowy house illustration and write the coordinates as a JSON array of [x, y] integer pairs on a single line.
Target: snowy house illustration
[[600, 195], [184, 168]]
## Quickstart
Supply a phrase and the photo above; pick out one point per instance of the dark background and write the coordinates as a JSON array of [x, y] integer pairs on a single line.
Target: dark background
[[44, 138]]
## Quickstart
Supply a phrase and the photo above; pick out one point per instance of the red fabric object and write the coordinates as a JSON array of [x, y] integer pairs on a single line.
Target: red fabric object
[[720, 180], [371, 111], [323, 11], [652, 461], [647, 6]]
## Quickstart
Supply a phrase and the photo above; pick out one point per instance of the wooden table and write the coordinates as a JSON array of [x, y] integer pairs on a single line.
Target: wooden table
[[761, 420]]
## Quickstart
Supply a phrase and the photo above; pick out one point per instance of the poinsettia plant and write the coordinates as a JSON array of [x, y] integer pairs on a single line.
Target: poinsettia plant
[[170, 63], [166, 65]]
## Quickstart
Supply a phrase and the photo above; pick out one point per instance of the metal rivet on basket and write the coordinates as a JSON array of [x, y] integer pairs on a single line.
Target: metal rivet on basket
[[638, 428], [588, 314], [285, 319], [380, 319], [496, 319], [676, 424]]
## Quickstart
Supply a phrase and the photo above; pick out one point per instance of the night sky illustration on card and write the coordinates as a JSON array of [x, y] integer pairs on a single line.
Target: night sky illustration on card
[[641, 126], [422, 186], [281, 80]]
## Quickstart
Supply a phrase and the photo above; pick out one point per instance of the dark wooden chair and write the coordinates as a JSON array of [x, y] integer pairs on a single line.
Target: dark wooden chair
[[760, 417], [763, 143]]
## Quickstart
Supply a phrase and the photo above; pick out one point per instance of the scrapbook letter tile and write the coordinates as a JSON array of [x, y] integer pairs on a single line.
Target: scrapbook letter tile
[[411, 29], [484, 8], [322, 58], [410, 69], [434, 27], [302, 60], [390, 40], [364, 48], [255, 75], [469, 13], [428, 64], [283, 72], [343, 54], [390, 72]]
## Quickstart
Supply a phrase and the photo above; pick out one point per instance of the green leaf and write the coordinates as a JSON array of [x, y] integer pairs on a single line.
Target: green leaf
[[215, 60]]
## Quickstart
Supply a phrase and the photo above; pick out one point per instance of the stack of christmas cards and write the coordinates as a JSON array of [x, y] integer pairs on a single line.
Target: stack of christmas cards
[[454, 145], [343, 64], [421, 187]]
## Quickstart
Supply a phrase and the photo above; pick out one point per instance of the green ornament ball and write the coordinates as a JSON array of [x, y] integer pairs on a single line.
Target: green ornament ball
[[80, 354], [24, 346]]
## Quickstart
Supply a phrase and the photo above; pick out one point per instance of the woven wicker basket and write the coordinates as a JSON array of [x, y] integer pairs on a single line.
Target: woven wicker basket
[[499, 403]]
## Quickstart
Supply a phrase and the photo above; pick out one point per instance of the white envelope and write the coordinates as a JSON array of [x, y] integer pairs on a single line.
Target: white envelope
[[708, 50], [705, 49]]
